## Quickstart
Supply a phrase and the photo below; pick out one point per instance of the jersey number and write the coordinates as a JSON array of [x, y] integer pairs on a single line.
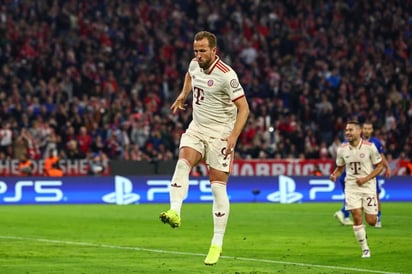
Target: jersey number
[[371, 201], [198, 94]]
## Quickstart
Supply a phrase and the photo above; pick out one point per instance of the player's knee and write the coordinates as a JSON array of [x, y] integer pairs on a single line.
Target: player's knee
[[371, 219], [182, 171]]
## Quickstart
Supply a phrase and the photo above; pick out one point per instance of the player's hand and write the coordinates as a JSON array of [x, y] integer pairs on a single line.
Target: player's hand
[[230, 146], [332, 177], [361, 181], [179, 104], [388, 173]]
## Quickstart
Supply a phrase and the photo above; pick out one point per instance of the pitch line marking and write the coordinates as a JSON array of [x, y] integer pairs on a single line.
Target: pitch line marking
[[190, 254]]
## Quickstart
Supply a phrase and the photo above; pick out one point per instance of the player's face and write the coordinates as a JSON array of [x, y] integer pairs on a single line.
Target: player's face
[[352, 133], [203, 53], [367, 130]]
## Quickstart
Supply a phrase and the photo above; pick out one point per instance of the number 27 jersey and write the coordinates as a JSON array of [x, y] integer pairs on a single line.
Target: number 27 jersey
[[214, 94]]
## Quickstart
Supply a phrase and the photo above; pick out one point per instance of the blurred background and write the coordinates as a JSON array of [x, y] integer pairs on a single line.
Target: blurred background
[[91, 82]]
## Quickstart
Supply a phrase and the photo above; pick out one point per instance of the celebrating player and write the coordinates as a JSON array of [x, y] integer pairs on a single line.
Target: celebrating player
[[220, 111], [363, 163]]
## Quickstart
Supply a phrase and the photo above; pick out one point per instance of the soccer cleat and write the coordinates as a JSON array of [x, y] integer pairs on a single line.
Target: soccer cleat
[[213, 255], [347, 221], [366, 253], [378, 224], [340, 217], [170, 217]]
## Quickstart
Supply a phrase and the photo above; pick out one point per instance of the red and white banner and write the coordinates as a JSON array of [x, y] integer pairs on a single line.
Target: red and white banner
[[78, 167], [293, 167], [281, 167], [296, 167]]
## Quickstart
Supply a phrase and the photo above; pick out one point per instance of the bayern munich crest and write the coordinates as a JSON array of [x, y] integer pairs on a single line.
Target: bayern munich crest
[[210, 83]]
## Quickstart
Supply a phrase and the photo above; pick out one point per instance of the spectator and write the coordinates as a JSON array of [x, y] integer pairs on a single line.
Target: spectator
[[51, 165], [84, 140], [25, 166], [73, 152], [317, 171], [78, 70], [409, 168], [95, 164], [6, 137]]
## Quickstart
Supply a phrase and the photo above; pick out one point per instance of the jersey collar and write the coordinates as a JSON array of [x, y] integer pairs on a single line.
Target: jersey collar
[[359, 145], [212, 66]]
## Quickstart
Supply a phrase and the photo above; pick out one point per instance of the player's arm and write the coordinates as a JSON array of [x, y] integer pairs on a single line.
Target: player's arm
[[336, 173], [179, 103], [241, 118], [388, 171], [373, 174]]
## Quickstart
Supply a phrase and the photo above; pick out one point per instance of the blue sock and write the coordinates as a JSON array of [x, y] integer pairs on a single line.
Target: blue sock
[[379, 215], [346, 213]]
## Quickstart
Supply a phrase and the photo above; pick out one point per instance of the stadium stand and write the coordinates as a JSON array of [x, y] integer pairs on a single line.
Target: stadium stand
[[103, 73]]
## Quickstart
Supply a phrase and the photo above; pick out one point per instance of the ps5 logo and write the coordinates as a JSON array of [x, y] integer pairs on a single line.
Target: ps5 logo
[[286, 193], [122, 194], [41, 190]]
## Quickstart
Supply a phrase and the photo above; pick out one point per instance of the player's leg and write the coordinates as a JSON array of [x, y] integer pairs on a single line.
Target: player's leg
[[188, 157], [346, 216], [340, 215], [370, 207], [219, 167], [343, 215], [354, 204], [220, 211], [360, 232], [378, 191]]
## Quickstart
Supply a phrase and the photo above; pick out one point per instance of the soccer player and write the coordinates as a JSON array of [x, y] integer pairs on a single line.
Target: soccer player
[[367, 130], [220, 111], [363, 163], [343, 215]]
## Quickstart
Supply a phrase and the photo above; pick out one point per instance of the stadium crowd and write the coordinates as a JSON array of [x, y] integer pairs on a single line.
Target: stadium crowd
[[98, 76]]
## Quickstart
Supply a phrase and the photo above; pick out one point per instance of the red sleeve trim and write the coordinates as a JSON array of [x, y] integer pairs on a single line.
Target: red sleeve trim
[[234, 100]]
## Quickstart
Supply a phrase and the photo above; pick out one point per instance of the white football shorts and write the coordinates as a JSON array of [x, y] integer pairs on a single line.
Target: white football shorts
[[367, 201], [212, 150]]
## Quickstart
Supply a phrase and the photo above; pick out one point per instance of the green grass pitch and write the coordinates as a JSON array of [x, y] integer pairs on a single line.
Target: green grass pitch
[[260, 238]]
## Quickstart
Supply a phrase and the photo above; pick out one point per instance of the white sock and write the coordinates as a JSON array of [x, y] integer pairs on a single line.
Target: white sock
[[179, 185], [360, 235], [221, 209]]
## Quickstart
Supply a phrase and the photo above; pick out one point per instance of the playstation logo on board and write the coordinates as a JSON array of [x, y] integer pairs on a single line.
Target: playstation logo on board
[[286, 193], [123, 192]]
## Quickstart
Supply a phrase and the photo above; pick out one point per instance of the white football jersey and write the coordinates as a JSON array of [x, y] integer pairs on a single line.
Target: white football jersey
[[359, 162], [214, 91]]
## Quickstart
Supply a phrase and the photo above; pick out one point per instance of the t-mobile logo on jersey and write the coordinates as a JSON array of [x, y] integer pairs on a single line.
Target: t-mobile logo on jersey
[[286, 193], [122, 194]]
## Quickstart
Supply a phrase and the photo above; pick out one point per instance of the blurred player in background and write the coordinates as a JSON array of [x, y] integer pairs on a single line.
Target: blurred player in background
[[220, 111], [367, 130], [343, 215], [363, 163]]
